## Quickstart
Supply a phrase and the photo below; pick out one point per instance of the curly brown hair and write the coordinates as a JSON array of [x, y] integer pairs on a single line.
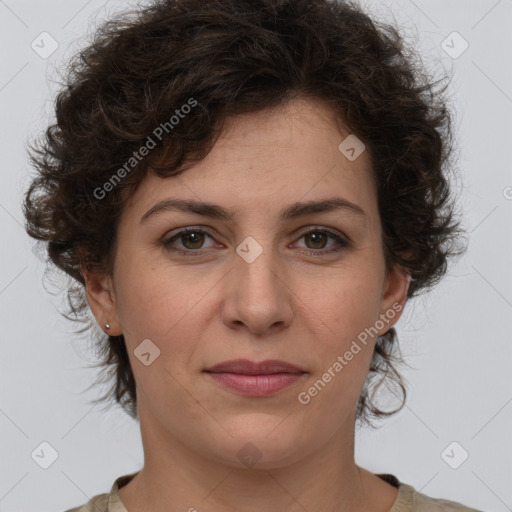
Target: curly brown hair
[[235, 57]]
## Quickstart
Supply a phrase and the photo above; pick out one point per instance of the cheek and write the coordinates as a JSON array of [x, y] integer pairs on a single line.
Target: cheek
[[155, 300], [343, 315], [342, 310], [344, 303]]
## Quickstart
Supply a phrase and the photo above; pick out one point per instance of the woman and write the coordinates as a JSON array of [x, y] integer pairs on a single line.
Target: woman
[[245, 194]]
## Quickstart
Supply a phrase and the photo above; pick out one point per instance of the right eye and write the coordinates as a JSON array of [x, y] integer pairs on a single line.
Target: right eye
[[191, 238]]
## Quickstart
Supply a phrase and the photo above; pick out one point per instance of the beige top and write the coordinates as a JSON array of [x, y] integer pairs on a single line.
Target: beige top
[[408, 499]]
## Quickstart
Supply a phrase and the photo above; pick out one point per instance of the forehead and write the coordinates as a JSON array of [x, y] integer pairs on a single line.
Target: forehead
[[294, 152]]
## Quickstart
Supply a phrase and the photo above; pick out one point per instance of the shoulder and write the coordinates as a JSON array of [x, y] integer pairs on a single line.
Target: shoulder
[[95, 504], [106, 502], [410, 500]]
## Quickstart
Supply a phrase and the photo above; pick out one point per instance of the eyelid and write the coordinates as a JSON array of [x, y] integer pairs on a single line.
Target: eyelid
[[298, 232], [332, 231], [183, 231], [343, 241]]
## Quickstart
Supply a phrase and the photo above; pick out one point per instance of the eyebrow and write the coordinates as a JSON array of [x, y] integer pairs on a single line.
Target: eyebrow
[[215, 211]]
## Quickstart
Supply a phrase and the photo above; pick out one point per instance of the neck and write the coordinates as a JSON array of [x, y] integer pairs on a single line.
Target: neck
[[182, 476]]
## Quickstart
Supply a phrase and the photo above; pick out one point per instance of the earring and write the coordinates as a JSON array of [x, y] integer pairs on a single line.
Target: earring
[[107, 326]]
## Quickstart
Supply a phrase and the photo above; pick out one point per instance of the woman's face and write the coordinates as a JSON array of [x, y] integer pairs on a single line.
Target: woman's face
[[256, 286]]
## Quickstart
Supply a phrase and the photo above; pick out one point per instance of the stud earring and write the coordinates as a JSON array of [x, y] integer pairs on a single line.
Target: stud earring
[[107, 326]]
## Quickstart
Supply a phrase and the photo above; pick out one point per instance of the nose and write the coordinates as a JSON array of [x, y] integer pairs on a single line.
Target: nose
[[257, 295]]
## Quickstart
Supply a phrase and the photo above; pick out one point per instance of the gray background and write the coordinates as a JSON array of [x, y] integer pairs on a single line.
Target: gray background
[[457, 339]]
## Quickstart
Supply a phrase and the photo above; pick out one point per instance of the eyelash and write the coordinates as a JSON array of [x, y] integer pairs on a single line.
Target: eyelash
[[342, 243]]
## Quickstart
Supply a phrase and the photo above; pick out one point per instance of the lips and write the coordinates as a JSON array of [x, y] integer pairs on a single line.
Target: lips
[[252, 379], [247, 367]]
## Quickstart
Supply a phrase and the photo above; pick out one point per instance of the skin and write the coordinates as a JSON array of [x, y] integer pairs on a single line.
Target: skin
[[286, 304]]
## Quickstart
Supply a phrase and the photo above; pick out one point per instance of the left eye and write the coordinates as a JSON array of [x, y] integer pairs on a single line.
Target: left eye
[[320, 236], [192, 240]]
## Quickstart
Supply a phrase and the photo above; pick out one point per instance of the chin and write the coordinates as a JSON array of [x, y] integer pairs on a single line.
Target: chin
[[261, 447]]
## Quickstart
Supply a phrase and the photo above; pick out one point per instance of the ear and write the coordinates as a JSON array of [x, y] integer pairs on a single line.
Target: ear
[[394, 297], [101, 298]]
